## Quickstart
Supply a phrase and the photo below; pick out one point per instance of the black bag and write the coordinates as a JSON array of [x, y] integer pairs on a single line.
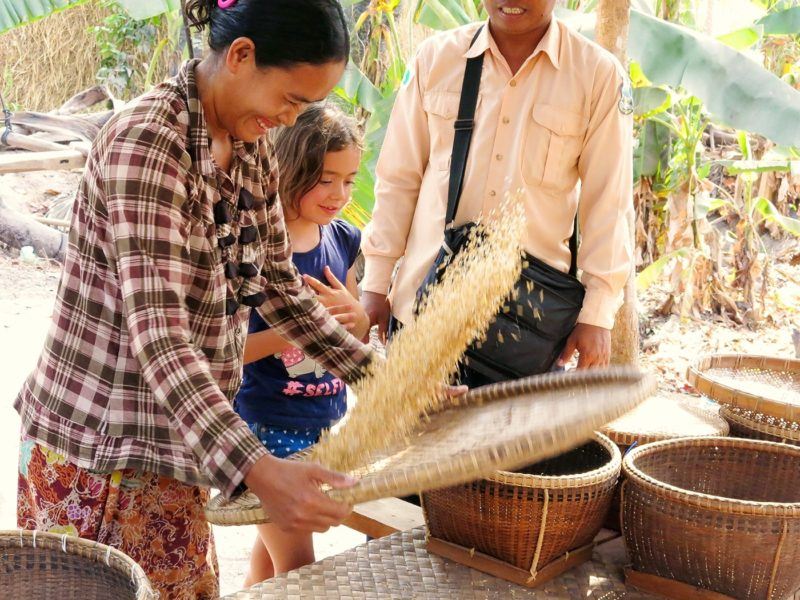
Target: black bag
[[528, 335]]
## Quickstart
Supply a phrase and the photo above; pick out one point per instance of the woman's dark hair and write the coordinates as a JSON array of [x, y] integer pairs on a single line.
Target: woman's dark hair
[[300, 150], [285, 32]]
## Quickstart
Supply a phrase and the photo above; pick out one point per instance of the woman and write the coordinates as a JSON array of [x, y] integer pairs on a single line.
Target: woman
[[177, 233]]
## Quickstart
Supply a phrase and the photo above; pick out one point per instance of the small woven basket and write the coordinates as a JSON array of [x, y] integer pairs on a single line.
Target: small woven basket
[[755, 426], [36, 565], [721, 514], [533, 517], [763, 384]]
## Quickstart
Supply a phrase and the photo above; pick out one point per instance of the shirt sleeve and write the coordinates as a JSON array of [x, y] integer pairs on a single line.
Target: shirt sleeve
[[606, 201], [144, 182], [292, 309], [399, 171], [353, 236]]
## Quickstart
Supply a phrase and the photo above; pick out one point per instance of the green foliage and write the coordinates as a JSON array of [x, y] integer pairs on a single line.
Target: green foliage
[[125, 44]]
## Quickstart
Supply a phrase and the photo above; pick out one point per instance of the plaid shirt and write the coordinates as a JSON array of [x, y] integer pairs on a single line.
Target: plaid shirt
[[144, 353]]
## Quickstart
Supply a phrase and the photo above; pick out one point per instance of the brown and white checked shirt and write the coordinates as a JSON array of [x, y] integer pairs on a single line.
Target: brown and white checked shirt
[[141, 361]]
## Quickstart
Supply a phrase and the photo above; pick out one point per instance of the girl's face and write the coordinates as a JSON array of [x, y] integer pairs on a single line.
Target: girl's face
[[324, 201], [256, 99]]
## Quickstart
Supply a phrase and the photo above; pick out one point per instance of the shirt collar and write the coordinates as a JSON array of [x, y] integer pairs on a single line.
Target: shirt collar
[[197, 136], [550, 44]]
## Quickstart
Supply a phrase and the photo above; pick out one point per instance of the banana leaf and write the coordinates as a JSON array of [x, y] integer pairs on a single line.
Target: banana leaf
[[784, 22], [14, 13], [145, 9], [735, 90]]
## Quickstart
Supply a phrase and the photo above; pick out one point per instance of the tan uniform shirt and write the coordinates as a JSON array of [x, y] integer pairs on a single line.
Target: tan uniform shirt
[[557, 130]]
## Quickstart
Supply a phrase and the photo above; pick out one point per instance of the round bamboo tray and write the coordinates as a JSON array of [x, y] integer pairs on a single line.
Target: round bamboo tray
[[502, 426], [662, 417], [755, 426], [532, 517], [762, 384], [720, 514], [35, 565]]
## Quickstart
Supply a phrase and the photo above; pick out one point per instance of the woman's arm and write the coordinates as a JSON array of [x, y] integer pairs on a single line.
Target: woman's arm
[[262, 344]]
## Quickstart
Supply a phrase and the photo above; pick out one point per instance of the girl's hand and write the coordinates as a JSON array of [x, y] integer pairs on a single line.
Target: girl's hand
[[334, 297]]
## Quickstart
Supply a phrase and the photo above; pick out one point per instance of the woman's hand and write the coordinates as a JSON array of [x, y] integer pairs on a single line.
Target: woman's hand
[[291, 497], [340, 303]]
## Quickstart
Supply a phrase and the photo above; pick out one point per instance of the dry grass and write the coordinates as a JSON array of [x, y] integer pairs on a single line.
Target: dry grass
[[47, 62], [397, 394]]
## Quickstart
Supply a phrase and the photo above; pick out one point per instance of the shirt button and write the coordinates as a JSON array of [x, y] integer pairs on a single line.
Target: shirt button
[[506, 120], [493, 193], [499, 157], [513, 83]]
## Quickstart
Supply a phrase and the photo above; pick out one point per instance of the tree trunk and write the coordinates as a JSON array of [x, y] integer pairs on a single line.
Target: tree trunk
[[18, 230], [613, 19]]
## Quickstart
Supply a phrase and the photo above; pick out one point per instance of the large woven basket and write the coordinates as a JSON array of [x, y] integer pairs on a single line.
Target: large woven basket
[[501, 426], [762, 384], [36, 565], [721, 514], [532, 517], [755, 426]]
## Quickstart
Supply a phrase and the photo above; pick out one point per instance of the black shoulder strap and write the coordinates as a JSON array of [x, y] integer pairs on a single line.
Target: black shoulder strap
[[465, 123]]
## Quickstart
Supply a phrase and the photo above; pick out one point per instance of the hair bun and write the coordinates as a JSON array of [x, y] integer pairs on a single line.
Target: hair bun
[[199, 12]]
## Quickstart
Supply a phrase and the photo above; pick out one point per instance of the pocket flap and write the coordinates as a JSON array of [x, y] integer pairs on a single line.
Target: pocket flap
[[559, 120], [442, 104]]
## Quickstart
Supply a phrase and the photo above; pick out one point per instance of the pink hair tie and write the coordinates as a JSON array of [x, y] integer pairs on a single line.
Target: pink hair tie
[[223, 4]]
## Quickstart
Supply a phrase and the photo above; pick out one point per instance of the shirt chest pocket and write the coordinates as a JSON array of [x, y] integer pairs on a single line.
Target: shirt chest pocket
[[442, 110], [552, 146]]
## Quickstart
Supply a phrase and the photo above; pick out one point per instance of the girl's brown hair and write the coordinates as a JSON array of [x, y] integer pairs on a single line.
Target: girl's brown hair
[[300, 150]]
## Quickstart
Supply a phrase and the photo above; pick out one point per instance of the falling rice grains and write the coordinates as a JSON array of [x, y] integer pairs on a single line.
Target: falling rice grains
[[395, 395]]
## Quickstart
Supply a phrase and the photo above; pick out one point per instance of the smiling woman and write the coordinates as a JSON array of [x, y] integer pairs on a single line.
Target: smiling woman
[[177, 233]]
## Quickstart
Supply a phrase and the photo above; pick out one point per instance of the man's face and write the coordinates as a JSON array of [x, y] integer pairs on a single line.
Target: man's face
[[519, 17]]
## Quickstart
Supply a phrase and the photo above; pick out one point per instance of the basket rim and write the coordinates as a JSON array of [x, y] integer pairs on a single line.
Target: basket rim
[[75, 546], [708, 501], [610, 470], [788, 434], [727, 394]]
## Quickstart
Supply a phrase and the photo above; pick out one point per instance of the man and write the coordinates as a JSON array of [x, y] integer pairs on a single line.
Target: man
[[552, 119]]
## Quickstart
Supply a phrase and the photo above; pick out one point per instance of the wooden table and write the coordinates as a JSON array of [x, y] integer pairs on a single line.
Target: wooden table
[[399, 566]]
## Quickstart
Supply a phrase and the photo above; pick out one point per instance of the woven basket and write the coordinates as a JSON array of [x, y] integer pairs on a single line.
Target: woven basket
[[662, 417], [721, 514], [501, 426], [762, 384], [755, 426], [533, 517], [36, 565]]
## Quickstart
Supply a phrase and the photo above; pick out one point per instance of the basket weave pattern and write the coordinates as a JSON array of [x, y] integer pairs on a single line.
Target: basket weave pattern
[[754, 426], [719, 513], [530, 519], [35, 565]]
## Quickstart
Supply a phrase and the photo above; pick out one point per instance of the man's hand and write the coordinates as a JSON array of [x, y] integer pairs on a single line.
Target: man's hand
[[593, 344], [291, 497], [378, 310]]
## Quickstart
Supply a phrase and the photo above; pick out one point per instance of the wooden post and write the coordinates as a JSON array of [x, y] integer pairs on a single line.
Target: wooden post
[[613, 20]]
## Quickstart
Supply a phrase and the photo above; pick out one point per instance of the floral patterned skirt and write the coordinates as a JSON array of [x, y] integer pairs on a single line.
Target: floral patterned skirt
[[157, 521]]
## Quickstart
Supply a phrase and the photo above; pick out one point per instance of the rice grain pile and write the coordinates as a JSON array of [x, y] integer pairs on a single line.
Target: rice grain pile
[[397, 394]]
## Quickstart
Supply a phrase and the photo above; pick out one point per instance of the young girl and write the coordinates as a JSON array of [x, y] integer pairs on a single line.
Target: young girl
[[286, 397]]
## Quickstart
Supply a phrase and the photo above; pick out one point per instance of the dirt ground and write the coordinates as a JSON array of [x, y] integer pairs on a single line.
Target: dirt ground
[[27, 290]]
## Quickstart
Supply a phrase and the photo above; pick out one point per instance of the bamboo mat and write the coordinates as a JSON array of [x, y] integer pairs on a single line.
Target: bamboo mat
[[399, 566]]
